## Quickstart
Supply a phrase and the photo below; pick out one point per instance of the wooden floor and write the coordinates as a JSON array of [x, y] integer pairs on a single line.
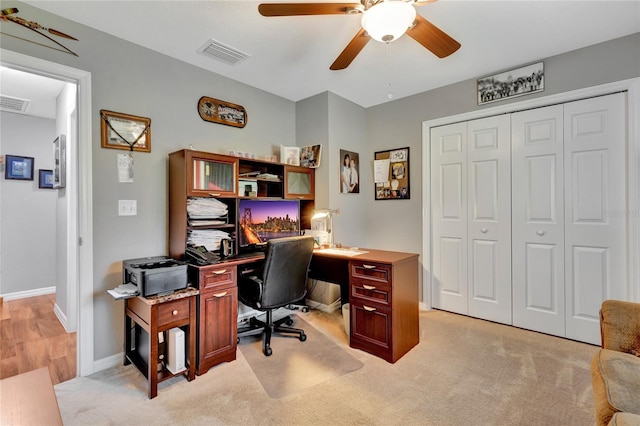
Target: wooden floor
[[32, 337]]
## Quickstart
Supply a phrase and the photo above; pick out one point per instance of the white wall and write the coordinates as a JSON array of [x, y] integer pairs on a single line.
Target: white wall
[[28, 214], [65, 283]]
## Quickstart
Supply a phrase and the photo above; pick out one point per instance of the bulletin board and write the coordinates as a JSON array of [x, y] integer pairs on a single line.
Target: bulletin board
[[391, 174]]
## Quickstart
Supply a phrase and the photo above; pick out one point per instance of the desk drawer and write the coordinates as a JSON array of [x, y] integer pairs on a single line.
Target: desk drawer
[[171, 312], [217, 277], [371, 271], [368, 291]]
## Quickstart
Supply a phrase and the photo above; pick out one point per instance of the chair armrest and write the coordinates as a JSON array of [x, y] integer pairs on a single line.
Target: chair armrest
[[620, 325], [250, 289]]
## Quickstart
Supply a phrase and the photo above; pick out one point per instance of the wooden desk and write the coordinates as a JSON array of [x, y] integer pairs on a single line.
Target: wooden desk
[[153, 315], [382, 290]]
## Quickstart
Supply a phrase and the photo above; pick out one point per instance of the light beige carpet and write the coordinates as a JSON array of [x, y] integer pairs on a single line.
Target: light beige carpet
[[296, 365], [463, 372]]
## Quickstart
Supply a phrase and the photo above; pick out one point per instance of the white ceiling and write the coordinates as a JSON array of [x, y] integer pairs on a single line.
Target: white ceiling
[[40, 92], [290, 56]]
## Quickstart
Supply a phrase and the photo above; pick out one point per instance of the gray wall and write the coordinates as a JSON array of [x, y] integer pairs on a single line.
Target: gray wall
[[399, 123], [130, 79], [28, 213]]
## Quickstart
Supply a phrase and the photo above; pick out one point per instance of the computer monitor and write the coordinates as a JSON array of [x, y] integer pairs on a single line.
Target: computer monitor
[[262, 220]]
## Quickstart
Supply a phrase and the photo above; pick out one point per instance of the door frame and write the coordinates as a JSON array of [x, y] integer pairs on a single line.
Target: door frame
[[80, 219], [632, 87]]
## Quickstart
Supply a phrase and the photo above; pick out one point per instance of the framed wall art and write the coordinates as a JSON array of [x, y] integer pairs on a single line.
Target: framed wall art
[[60, 162], [18, 167], [349, 172], [517, 82], [125, 131], [221, 112], [45, 179], [391, 174]]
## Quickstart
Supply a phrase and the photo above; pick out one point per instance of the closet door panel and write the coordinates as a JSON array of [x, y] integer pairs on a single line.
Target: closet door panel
[[489, 213], [595, 219], [538, 220], [449, 217]]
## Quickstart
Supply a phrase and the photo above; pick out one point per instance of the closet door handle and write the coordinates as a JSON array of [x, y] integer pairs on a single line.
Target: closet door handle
[[540, 233], [484, 230]]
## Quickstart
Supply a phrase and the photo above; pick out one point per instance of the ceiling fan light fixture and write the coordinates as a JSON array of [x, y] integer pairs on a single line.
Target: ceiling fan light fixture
[[388, 20]]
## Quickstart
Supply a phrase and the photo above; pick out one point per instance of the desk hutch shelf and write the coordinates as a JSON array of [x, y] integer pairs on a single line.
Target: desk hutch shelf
[[197, 174]]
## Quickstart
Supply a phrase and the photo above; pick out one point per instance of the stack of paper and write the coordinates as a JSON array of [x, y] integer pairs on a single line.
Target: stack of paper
[[210, 238], [206, 211]]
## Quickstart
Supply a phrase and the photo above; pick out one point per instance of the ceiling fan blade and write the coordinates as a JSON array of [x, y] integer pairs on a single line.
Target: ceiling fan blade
[[433, 38], [351, 51], [295, 9]]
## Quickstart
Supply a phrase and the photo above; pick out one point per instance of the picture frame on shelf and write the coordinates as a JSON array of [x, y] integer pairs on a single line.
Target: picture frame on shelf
[[310, 156], [45, 179], [290, 155], [125, 131], [18, 167]]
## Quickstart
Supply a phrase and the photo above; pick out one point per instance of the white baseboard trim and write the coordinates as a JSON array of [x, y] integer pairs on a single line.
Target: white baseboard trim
[[28, 293], [108, 362], [61, 317]]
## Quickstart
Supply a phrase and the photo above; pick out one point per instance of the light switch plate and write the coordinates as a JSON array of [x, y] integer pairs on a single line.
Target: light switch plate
[[127, 207]]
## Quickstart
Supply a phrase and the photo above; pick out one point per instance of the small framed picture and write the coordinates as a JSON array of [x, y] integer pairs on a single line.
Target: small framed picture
[[20, 168], [45, 178], [290, 155], [125, 131]]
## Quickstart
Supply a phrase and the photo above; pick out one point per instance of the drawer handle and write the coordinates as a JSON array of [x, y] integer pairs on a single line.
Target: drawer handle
[[368, 309], [368, 287], [369, 266], [174, 312], [540, 233], [484, 230], [214, 194], [221, 294], [220, 272]]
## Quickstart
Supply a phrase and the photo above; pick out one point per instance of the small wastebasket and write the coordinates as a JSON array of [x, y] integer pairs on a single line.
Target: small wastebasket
[[346, 317]]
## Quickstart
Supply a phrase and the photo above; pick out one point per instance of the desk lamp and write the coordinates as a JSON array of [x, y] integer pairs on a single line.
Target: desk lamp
[[327, 214]]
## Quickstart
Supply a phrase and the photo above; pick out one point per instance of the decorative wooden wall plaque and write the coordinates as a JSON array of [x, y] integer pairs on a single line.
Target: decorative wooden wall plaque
[[221, 112]]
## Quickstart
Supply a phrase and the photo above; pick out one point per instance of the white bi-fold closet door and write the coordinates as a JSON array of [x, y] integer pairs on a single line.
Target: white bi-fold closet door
[[569, 243], [524, 229], [471, 211]]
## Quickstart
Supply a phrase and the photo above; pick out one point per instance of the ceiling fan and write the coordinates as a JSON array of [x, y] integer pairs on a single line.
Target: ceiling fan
[[382, 20]]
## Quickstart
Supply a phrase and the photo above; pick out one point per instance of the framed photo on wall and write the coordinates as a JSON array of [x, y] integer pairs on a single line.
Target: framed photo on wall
[[125, 131], [59, 162], [45, 179], [349, 172], [18, 167]]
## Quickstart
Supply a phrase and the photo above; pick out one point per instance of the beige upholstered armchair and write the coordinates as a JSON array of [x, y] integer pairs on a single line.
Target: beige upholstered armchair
[[615, 369]]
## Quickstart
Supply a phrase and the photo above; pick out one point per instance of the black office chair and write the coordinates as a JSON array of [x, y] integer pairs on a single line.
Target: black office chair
[[282, 281]]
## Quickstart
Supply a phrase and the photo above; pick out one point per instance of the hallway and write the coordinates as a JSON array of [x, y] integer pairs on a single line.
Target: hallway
[[31, 337]]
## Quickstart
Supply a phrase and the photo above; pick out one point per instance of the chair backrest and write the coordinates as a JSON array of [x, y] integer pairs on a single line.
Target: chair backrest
[[286, 265]]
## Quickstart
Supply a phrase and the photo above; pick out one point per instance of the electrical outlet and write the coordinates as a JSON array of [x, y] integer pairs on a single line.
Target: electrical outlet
[[127, 207]]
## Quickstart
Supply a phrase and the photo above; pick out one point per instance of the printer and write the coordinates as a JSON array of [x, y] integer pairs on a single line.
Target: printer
[[155, 275]]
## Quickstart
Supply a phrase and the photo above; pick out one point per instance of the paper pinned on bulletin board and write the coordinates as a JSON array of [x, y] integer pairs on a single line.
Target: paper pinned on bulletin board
[[391, 174], [125, 168]]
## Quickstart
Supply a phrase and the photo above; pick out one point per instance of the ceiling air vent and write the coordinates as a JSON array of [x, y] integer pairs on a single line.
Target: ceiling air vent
[[9, 103], [222, 52]]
